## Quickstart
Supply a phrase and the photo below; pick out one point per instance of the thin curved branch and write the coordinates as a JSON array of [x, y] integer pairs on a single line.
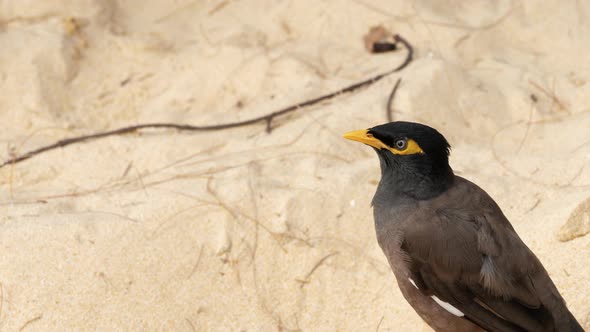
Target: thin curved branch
[[185, 127]]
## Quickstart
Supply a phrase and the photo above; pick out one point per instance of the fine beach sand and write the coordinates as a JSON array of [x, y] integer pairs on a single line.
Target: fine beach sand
[[242, 230]]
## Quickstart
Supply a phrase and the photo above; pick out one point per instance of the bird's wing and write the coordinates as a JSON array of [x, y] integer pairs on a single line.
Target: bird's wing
[[470, 257]]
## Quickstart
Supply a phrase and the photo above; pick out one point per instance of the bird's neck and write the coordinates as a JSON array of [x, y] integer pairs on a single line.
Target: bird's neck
[[415, 182]]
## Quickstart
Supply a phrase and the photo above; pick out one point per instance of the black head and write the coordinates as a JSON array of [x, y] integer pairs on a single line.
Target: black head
[[414, 157], [430, 142]]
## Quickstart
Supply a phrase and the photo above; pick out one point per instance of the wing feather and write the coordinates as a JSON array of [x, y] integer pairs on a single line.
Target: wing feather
[[470, 256]]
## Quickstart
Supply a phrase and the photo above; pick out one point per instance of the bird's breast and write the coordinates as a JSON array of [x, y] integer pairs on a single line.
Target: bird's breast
[[390, 221]]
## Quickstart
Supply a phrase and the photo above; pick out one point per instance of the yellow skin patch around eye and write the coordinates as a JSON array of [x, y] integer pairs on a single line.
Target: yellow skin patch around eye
[[364, 136]]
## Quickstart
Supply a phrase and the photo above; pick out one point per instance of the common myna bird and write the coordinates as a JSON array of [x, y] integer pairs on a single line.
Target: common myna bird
[[456, 258]]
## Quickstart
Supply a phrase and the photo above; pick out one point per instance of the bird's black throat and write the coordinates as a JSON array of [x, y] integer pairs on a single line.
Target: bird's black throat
[[419, 176]]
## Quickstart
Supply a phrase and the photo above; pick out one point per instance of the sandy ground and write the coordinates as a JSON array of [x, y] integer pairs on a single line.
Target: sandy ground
[[241, 230]]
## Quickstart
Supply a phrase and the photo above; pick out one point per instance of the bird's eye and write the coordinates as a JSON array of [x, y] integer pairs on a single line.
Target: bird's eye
[[400, 143]]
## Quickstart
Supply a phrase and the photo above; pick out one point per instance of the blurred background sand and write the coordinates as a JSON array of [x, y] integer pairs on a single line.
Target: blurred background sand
[[242, 230]]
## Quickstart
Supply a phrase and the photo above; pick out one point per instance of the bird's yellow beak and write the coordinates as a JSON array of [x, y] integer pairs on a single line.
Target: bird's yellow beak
[[363, 136]]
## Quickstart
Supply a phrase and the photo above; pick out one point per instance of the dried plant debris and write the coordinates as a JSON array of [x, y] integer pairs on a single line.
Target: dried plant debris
[[578, 224], [379, 40], [267, 118]]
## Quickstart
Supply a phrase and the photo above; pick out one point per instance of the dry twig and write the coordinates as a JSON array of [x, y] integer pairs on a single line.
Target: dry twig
[[379, 325], [29, 322], [390, 100], [268, 118], [315, 267]]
